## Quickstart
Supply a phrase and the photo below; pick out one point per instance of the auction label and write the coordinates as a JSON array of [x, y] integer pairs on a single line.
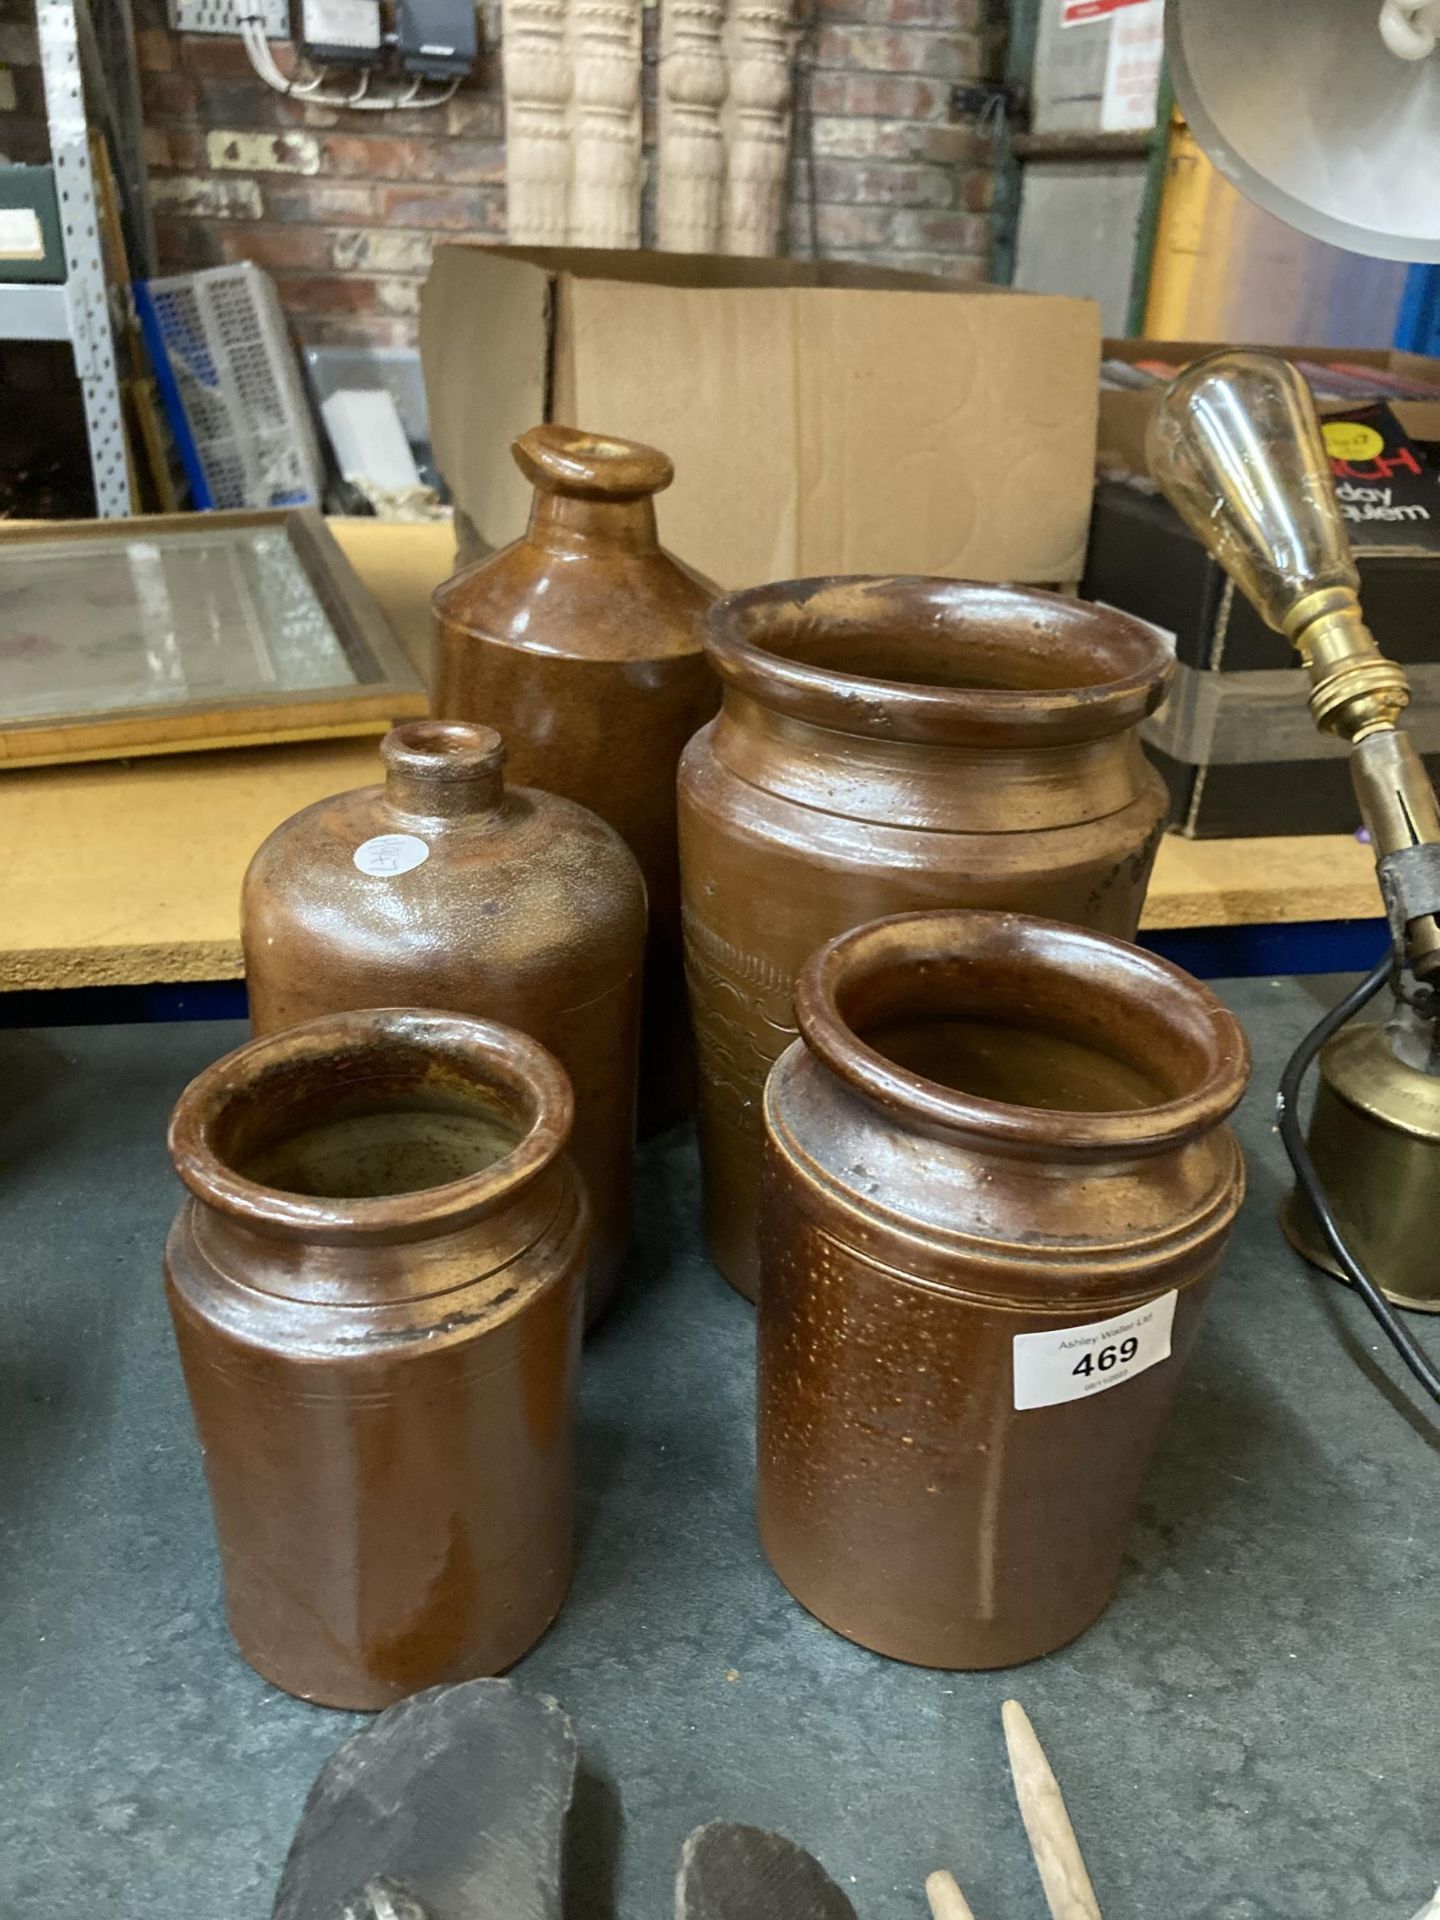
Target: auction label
[[1071, 1363], [391, 853]]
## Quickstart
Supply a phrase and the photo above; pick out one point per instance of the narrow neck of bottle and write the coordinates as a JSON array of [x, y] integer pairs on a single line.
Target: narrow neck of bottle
[[570, 523], [444, 770], [445, 794]]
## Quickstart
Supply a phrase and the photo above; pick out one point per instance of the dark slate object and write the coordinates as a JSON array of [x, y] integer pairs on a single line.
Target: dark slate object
[[450, 1806], [743, 1873]]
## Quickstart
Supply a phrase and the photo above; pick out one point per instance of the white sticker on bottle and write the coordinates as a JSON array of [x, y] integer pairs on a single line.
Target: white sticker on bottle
[[1071, 1363], [391, 853]]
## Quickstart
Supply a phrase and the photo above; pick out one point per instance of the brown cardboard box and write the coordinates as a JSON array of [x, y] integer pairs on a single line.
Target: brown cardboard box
[[822, 418], [1125, 413], [1234, 739]]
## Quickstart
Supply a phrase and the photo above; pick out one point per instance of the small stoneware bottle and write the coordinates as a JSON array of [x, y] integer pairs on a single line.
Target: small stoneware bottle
[[997, 1185], [581, 644], [887, 745], [376, 1287], [448, 888]]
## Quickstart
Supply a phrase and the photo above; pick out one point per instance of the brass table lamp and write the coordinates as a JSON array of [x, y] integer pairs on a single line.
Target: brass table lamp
[[1236, 447]]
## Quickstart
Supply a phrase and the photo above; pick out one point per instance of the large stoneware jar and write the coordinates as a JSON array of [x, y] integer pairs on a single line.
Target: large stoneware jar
[[446, 887], [997, 1185], [376, 1288], [581, 644], [888, 745]]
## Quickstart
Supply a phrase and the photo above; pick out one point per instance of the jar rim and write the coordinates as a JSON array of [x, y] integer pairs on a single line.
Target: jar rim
[[1034, 958], [482, 1053], [752, 638]]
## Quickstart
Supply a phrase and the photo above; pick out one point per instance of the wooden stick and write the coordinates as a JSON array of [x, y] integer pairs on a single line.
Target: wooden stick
[[946, 1900], [1042, 1807]]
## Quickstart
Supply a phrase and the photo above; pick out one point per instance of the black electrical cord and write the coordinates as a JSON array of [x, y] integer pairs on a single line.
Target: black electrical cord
[[1288, 1114]]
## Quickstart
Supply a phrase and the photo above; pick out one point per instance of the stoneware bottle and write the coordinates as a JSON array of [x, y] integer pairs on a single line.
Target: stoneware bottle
[[997, 1185], [887, 745], [448, 888], [376, 1286], [581, 644]]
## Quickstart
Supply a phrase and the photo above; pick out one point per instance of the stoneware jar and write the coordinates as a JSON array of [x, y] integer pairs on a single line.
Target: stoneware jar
[[376, 1289], [581, 644], [447, 888], [888, 745], [997, 1185]]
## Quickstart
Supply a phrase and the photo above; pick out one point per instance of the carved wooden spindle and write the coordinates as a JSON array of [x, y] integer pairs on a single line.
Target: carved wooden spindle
[[693, 84], [758, 44], [537, 134], [605, 190]]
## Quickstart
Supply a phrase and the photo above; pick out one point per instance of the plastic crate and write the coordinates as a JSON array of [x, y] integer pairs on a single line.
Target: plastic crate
[[228, 377]]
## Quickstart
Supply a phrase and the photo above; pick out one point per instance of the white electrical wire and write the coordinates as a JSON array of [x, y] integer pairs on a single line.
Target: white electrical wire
[[1410, 28], [361, 100]]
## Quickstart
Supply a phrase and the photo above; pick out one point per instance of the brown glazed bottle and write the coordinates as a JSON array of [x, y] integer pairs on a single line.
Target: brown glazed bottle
[[997, 1185], [887, 745], [447, 888], [581, 644], [376, 1285]]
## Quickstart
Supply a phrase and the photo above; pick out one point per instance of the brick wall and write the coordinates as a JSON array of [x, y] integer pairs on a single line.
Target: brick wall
[[22, 123], [345, 208], [897, 182]]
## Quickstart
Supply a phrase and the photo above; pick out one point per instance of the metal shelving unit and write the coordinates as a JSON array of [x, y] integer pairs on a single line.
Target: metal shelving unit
[[78, 311]]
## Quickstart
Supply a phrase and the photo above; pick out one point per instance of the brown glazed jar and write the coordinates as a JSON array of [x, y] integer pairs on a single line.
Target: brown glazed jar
[[581, 644], [997, 1185], [376, 1285], [887, 745], [447, 888]]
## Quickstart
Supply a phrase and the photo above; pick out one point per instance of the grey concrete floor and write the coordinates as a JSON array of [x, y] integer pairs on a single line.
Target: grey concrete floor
[[1249, 1734]]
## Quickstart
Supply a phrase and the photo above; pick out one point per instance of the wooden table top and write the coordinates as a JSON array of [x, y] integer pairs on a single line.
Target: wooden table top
[[128, 872]]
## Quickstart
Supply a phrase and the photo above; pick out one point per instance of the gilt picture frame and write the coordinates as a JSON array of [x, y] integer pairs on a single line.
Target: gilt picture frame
[[176, 632]]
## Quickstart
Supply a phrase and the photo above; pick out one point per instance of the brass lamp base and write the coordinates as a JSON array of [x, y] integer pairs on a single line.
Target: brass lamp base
[[1375, 1140]]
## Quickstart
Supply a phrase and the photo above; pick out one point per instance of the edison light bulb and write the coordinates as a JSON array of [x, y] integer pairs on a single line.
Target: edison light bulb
[[1236, 447]]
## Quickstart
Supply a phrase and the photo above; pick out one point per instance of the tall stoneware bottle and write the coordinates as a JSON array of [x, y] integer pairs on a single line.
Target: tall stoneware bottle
[[375, 1283], [448, 888], [581, 644], [887, 745]]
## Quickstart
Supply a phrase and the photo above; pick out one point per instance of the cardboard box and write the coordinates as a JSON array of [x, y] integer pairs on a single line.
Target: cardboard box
[[822, 418], [1143, 557], [1234, 739], [1125, 414]]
